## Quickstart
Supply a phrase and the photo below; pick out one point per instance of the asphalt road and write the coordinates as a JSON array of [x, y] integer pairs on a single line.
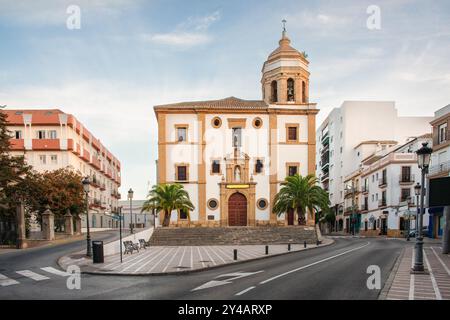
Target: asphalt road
[[338, 271]]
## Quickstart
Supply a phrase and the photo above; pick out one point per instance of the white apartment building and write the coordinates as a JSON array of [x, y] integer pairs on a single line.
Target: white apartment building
[[381, 191], [52, 139], [362, 125], [231, 154]]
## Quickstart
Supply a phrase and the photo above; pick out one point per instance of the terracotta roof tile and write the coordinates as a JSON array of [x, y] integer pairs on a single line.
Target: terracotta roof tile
[[227, 103]]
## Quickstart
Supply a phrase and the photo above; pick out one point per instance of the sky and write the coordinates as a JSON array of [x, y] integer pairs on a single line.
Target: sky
[[127, 56]]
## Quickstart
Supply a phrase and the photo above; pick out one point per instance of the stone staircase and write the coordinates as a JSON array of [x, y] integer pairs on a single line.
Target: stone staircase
[[198, 236]]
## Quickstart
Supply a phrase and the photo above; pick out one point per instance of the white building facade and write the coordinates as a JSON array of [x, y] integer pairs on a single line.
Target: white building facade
[[51, 139], [383, 196], [231, 154], [353, 132]]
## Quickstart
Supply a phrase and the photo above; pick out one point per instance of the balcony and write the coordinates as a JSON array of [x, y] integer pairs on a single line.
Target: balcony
[[94, 182], [365, 207], [326, 139], [102, 187], [350, 192], [442, 168], [45, 144], [406, 179], [382, 203], [17, 144], [325, 167], [86, 156], [349, 210], [365, 189], [95, 163], [407, 199], [383, 183], [95, 204], [325, 177]]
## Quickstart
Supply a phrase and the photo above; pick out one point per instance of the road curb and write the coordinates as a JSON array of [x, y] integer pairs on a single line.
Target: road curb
[[387, 286], [183, 272]]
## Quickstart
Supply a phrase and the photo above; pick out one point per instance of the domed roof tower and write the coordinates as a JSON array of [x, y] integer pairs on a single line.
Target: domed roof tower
[[285, 75]]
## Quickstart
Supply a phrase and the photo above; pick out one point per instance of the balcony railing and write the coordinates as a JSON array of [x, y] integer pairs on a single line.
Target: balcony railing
[[407, 199], [365, 189], [382, 203], [348, 192], [406, 178], [382, 182], [326, 138], [440, 168]]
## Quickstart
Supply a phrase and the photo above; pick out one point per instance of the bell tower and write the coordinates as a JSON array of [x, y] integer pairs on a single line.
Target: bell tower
[[285, 75]]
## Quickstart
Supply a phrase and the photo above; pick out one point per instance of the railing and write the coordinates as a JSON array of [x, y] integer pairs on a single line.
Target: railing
[[351, 191], [365, 189], [406, 178], [440, 168], [326, 138], [382, 182], [382, 203], [408, 199], [365, 207]]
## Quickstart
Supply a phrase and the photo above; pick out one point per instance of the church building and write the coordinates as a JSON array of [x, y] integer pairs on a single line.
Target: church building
[[231, 155]]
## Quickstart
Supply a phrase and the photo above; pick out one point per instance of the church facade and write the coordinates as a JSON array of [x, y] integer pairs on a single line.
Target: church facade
[[231, 155]]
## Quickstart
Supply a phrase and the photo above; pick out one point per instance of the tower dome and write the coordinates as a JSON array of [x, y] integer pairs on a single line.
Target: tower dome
[[285, 75]]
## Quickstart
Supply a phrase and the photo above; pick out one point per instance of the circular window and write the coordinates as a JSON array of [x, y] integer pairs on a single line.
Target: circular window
[[257, 123], [262, 204], [216, 122], [213, 204]]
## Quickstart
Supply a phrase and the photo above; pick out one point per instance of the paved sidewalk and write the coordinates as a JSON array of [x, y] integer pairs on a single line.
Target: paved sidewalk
[[165, 259], [434, 285]]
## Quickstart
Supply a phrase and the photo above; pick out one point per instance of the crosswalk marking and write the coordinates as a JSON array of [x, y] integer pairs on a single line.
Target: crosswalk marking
[[32, 275], [5, 281], [55, 271]]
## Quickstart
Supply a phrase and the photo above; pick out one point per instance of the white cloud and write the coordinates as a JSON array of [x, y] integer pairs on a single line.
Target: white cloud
[[192, 32], [185, 39]]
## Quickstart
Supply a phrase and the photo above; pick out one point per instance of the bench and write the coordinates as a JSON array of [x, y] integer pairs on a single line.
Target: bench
[[130, 247], [143, 244]]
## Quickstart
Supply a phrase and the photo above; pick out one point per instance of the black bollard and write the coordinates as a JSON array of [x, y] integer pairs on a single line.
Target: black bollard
[[304, 244], [289, 247], [267, 250], [235, 254]]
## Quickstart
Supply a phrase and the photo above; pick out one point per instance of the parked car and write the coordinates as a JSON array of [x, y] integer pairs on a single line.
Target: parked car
[[412, 233]]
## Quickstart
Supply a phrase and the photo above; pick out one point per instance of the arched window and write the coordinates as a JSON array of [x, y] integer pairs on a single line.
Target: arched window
[[290, 90], [273, 91], [303, 92]]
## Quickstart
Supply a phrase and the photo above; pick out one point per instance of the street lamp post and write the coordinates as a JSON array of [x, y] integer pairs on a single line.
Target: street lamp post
[[423, 160], [130, 197], [417, 191], [120, 232], [86, 183], [353, 216]]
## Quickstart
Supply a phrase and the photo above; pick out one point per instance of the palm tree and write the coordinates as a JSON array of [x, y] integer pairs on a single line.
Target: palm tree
[[301, 194], [166, 198]]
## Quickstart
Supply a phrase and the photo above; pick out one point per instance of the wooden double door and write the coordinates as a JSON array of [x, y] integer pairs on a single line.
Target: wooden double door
[[237, 210]]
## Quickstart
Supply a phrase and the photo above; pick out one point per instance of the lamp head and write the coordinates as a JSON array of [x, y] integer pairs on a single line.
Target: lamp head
[[417, 189], [130, 194], [86, 184], [424, 156]]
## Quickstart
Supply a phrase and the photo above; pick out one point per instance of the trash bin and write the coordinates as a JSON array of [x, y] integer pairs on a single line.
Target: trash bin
[[97, 250]]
